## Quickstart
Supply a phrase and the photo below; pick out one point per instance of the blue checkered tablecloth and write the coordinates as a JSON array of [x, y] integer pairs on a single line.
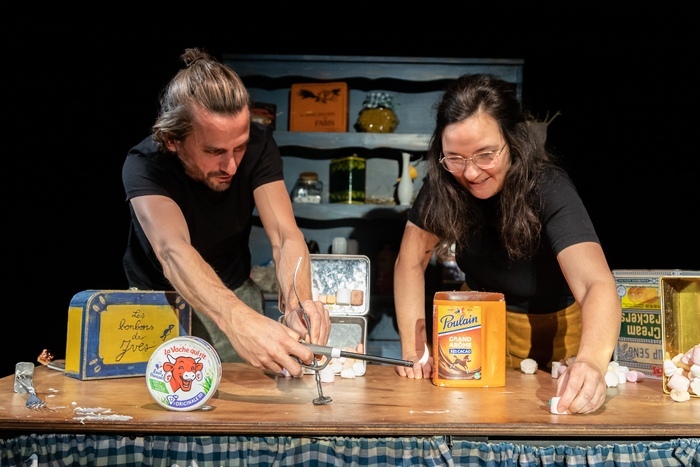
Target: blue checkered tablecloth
[[196, 451]]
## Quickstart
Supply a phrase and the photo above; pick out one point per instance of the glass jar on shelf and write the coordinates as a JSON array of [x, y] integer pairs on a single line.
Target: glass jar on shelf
[[377, 114], [307, 189]]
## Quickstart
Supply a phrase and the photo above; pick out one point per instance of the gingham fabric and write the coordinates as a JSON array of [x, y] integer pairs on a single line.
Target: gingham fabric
[[374, 100], [678, 452], [196, 451]]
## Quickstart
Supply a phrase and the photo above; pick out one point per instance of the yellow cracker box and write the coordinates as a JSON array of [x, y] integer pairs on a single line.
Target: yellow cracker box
[[639, 346]]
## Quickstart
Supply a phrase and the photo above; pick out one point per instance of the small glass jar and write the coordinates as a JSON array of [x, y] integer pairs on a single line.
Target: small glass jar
[[307, 189], [377, 114]]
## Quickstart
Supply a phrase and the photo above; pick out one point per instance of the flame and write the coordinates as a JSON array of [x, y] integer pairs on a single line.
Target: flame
[[425, 356]]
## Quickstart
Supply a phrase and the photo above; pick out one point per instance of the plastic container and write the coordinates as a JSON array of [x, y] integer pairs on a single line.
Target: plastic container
[[469, 339], [307, 189]]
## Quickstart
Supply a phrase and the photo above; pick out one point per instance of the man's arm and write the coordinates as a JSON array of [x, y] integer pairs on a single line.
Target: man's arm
[[262, 342], [288, 245]]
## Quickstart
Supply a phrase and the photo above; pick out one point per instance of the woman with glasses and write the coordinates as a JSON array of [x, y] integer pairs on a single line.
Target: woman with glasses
[[518, 227]]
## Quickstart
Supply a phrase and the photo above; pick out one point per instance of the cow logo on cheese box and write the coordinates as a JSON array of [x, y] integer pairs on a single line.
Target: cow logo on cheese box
[[183, 373], [180, 372]]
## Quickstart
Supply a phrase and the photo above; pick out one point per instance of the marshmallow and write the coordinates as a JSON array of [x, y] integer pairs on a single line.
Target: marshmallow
[[555, 369], [622, 374], [695, 370], [669, 368], [695, 354], [681, 361], [553, 402], [336, 365], [678, 381], [679, 395], [695, 386], [611, 379], [358, 367], [528, 366], [635, 376], [327, 375]]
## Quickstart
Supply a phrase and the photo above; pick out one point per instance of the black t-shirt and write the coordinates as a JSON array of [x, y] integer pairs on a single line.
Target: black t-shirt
[[219, 222], [535, 285]]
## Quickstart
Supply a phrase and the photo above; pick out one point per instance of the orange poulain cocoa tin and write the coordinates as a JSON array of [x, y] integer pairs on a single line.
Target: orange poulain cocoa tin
[[469, 339]]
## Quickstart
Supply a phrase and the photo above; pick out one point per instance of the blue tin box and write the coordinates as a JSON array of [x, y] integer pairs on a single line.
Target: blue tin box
[[112, 333]]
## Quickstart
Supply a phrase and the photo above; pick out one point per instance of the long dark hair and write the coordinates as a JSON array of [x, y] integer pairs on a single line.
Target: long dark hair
[[451, 212]]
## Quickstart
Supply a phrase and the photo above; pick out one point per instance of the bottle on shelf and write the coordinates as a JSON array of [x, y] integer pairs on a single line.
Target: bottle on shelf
[[405, 188]]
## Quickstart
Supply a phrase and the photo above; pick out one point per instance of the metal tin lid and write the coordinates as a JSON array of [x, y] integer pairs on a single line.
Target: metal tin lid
[[341, 283], [183, 373]]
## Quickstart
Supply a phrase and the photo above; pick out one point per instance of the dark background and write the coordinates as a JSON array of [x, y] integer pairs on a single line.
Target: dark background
[[81, 88]]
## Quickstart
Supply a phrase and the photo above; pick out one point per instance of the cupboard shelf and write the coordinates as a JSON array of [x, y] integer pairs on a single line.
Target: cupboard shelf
[[334, 140], [415, 83]]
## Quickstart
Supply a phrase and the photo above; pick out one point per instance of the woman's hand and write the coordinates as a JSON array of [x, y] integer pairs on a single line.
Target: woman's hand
[[581, 388], [422, 364]]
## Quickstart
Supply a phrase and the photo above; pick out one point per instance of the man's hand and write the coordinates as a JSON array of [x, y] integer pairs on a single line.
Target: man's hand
[[264, 343], [319, 319]]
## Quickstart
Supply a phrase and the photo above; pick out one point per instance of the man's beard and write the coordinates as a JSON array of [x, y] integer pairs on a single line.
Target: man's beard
[[209, 179]]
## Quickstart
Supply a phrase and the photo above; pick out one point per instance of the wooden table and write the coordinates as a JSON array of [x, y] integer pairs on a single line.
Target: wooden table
[[378, 404]]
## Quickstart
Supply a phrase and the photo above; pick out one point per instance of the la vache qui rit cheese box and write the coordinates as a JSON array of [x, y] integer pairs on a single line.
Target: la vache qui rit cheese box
[[112, 333]]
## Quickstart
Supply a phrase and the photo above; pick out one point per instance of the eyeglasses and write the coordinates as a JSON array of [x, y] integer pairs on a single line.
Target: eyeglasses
[[483, 160]]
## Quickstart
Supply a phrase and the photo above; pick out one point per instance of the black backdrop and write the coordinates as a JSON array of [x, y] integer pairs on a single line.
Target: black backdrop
[[81, 88]]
